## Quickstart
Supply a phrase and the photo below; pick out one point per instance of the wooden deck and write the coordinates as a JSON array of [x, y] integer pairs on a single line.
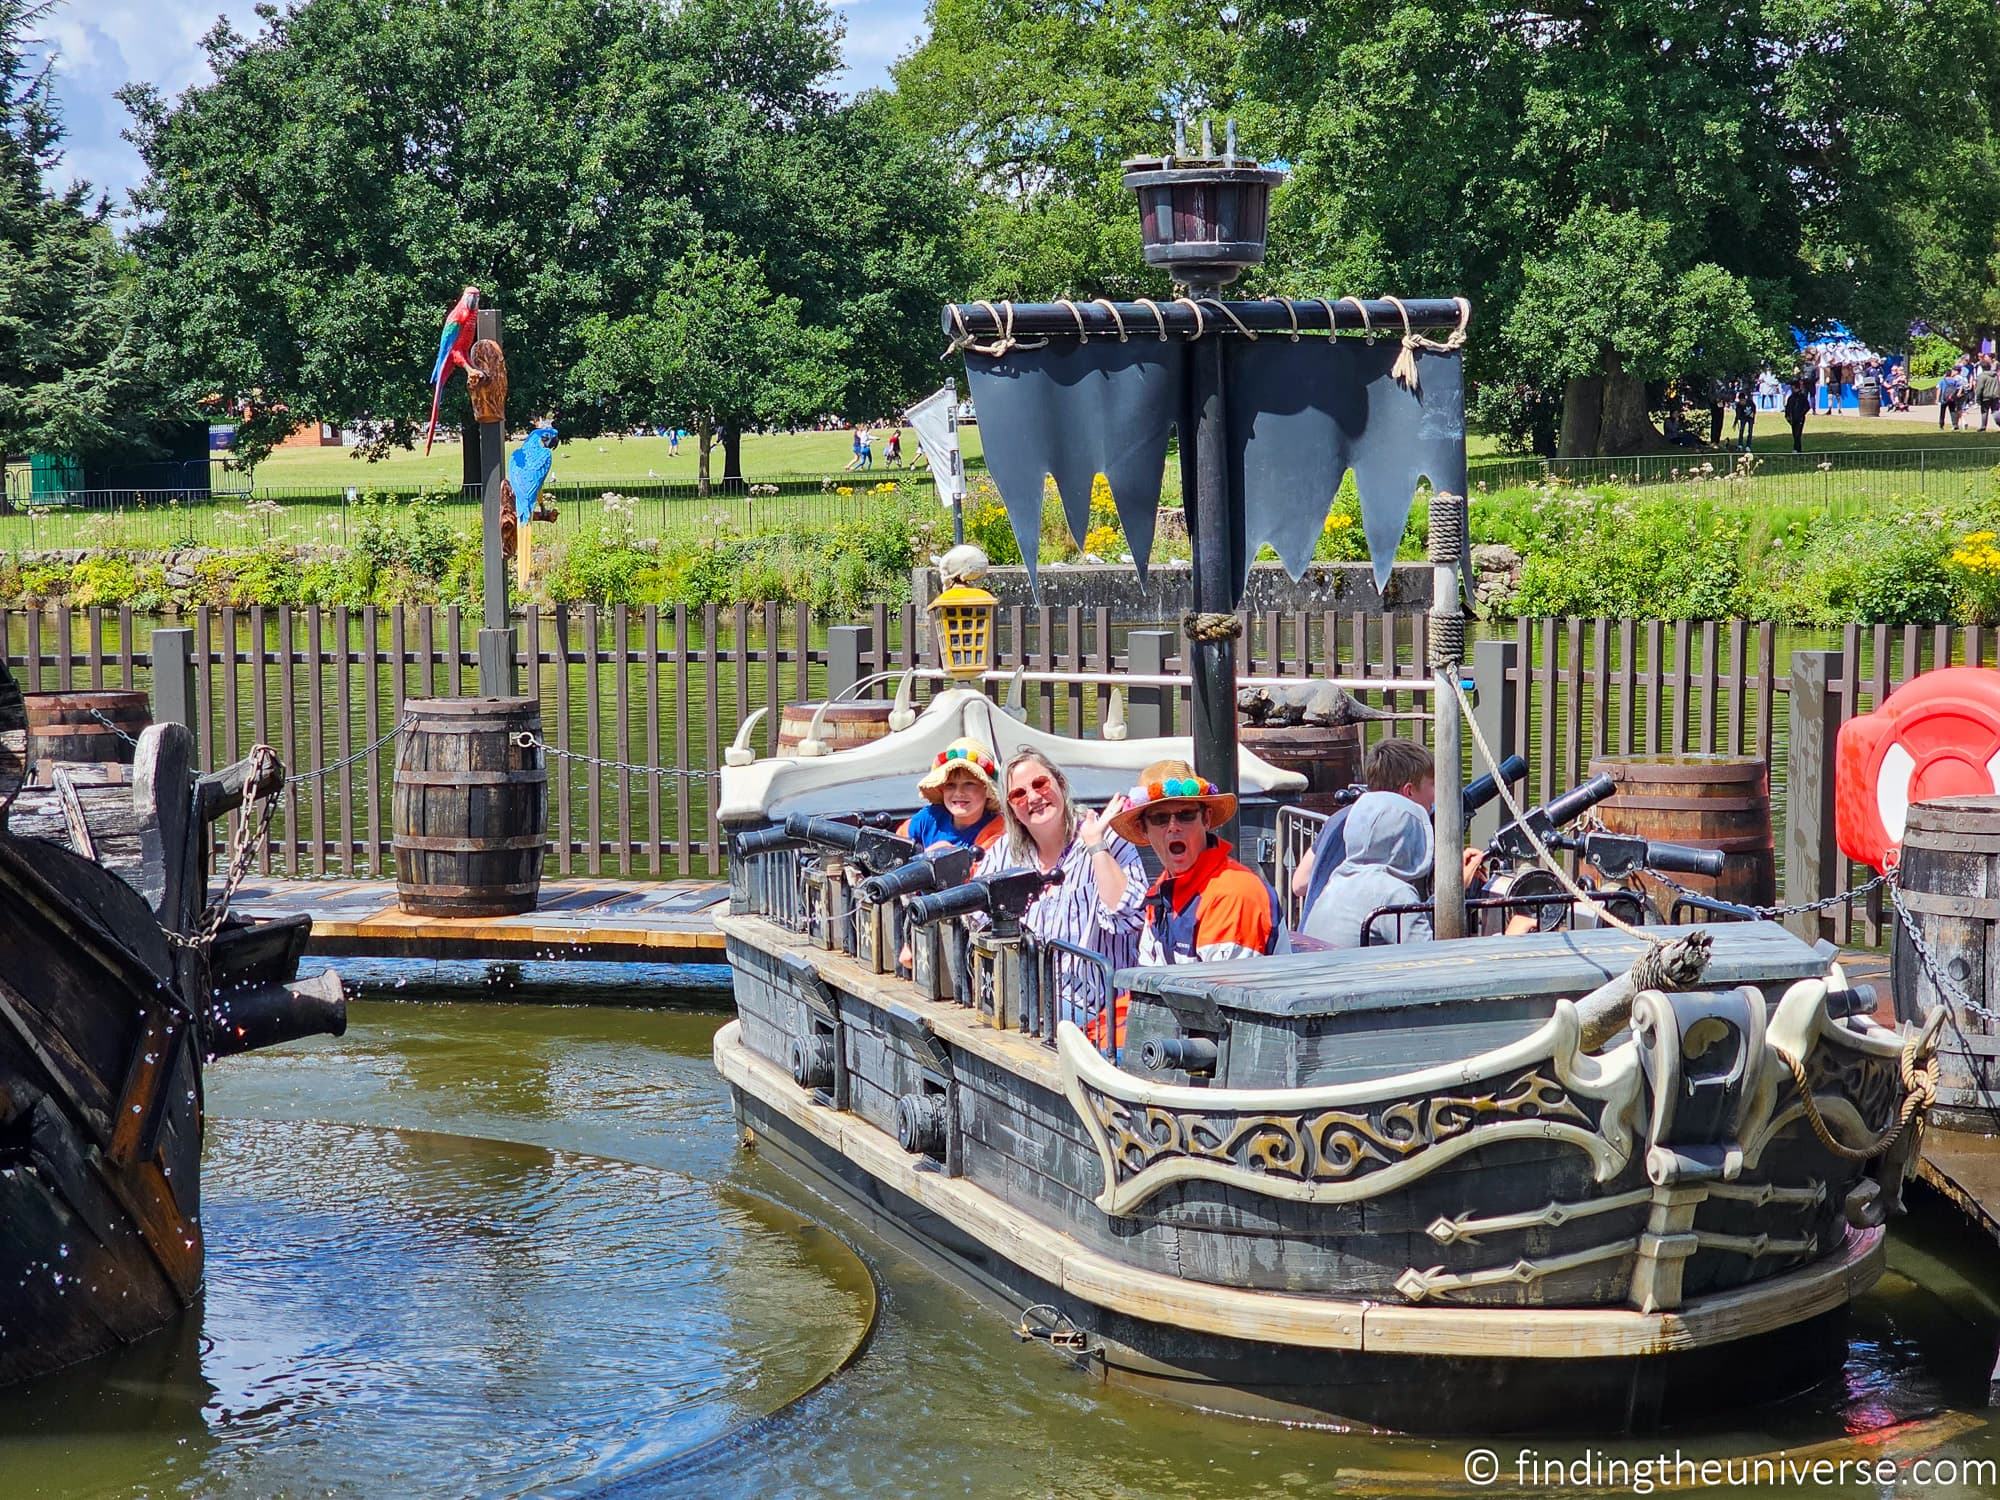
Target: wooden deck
[[661, 922]]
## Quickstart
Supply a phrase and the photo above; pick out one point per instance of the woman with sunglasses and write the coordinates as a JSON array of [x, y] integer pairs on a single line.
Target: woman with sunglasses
[[1097, 903]]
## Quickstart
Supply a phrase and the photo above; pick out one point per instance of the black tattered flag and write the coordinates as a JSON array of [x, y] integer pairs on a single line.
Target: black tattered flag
[[1300, 414]]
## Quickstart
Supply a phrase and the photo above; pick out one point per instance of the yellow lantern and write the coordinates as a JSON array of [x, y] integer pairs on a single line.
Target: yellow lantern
[[964, 617]]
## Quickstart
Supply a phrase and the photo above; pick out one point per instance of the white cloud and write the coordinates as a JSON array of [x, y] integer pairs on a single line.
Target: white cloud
[[101, 45]]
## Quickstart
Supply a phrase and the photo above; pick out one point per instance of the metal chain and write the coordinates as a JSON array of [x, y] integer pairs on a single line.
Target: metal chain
[[1772, 913], [1949, 991], [347, 760], [1947, 987], [528, 740], [251, 828], [128, 739]]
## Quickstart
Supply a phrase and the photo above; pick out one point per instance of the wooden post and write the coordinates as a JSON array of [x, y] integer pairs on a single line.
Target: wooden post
[[1150, 710], [1812, 863], [1494, 668], [496, 638], [847, 650], [173, 678]]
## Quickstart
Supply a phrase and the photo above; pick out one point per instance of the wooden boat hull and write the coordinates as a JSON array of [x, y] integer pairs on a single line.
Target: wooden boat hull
[[1294, 1357], [1544, 1233]]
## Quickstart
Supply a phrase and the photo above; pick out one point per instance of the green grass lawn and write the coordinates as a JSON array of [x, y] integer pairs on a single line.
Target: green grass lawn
[[606, 460]]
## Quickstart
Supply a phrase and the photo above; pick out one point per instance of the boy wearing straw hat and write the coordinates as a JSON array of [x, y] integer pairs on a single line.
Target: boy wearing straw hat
[[1207, 905], [964, 800]]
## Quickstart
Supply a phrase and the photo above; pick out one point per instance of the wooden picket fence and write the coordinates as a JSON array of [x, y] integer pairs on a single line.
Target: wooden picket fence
[[644, 699]]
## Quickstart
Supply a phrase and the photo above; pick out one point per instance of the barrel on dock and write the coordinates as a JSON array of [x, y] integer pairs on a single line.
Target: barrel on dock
[[1329, 758], [471, 807], [1949, 873], [844, 726], [1706, 801], [85, 726]]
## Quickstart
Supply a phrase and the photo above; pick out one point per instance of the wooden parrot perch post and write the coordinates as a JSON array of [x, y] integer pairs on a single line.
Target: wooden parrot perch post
[[489, 409]]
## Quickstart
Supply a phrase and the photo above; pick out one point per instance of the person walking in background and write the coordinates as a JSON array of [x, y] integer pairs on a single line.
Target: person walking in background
[[1947, 394], [1796, 406], [1986, 390], [895, 458], [1767, 391], [1826, 384], [1718, 398], [673, 442], [867, 440], [1746, 418]]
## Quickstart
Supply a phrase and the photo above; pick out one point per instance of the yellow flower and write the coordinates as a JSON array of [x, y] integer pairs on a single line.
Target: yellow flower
[[845, 489], [1101, 541], [1337, 520], [1981, 536]]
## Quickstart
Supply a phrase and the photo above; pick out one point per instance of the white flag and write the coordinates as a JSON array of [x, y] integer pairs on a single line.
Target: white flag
[[935, 419]]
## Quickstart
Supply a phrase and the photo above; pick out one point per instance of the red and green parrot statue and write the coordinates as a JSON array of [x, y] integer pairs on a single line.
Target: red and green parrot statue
[[453, 345]]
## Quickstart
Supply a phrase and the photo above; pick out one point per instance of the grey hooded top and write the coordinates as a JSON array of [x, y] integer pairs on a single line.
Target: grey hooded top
[[1388, 853]]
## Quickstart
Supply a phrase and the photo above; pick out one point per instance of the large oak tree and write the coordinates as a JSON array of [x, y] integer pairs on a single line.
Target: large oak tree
[[310, 215]]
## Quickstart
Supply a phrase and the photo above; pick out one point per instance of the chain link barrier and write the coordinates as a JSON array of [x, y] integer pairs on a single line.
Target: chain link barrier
[[529, 740], [304, 778]]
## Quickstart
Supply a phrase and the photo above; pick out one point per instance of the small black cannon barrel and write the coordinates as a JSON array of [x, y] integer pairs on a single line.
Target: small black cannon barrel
[[959, 901], [919, 877], [874, 850], [765, 840], [1580, 800], [1004, 897], [920, 1124], [267, 1014], [828, 833], [1857, 1001], [1191, 1054], [1483, 790], [1683, 859]]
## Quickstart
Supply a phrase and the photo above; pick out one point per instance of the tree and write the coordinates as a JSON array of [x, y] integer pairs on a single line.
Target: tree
[[1039, 105], [1674, 183], [74, 374], [310, 215], [716, 349]]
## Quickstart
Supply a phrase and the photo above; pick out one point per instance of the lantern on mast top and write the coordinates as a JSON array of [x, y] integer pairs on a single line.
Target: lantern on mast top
[[1203, 218]]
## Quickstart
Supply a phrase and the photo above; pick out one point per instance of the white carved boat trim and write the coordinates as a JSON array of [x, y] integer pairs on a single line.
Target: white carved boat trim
[[1438, 1282], [839, 782], [1613, 1078], [1288, 1318], [1469, 1227]]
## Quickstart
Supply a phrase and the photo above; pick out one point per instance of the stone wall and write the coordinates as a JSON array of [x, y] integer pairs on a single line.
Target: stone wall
[[1167, 591]]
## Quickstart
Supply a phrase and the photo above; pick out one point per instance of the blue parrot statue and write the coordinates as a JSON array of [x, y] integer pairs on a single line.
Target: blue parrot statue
[[460, 327], [528, 470]]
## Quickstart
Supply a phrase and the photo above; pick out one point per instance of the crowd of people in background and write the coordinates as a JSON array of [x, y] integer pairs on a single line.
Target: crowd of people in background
[[1970, 388]]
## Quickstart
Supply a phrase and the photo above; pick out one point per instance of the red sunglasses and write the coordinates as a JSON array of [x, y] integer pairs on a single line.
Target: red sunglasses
[[1041, 786]]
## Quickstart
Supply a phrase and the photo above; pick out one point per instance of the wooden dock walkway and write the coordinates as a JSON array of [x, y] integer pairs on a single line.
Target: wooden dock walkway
[[599, 921]]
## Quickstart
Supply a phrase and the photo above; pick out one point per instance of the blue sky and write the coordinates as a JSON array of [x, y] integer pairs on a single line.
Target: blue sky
[[103, 44]]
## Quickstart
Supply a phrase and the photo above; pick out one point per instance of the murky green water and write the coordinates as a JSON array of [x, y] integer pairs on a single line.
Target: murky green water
[[508, 1249]]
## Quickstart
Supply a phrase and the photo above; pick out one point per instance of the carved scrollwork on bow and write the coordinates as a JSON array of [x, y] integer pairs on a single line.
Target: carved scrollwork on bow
[[1348, 1142]]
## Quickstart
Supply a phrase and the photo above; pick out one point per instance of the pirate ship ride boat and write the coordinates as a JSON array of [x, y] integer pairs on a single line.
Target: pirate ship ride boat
[[1407, 1186], [118, 980], [1582, 1179]]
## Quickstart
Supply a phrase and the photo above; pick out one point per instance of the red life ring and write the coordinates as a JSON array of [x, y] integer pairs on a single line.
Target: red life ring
[[1937, 735]]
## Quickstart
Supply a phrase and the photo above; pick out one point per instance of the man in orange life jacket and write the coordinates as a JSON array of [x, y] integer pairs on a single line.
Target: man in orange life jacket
[[1207, 905]]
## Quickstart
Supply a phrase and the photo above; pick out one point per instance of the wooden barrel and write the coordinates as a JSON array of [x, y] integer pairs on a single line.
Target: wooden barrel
[[88, 726], [1328, 758], [845, 725], [471, 807], [1706, 801], [1949, 871]]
